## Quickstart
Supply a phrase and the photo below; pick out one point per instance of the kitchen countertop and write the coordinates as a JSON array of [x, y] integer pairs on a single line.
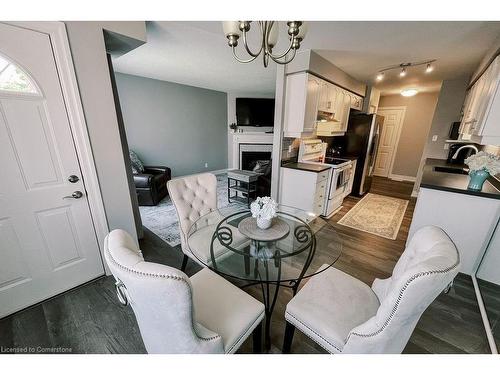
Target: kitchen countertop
[[455, 183], [309, 167]]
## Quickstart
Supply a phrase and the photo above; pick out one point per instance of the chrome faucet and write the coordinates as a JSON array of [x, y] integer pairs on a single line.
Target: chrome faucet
[[461, 148]]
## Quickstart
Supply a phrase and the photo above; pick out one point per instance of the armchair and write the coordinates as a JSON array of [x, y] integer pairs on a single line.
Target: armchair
[[151, 185]]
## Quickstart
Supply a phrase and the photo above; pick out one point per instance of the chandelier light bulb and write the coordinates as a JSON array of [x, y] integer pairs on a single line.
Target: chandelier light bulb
[[269, 35], [380, 76], [429, 68], [403, 72]]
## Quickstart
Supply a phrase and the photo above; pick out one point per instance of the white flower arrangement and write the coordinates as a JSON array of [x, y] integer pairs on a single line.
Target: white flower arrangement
[[264, 208], [484, 161]]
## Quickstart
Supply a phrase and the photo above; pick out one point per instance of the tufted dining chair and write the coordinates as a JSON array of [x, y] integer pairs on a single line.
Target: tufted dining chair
[[194, 197], [178, 314], [344, 315]]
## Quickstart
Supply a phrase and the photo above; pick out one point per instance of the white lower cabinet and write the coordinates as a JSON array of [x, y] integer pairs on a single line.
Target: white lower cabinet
[[305, 190], [467, 219]]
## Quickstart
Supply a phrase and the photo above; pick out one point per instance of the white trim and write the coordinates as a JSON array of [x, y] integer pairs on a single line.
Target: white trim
[[400, 177], [398, 136], [71, 94]]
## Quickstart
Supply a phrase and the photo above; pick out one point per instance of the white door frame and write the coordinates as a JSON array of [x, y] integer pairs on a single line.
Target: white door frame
[[398, 135], [64, 64]]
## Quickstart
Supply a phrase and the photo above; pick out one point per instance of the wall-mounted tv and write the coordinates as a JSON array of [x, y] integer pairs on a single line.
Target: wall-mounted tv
[[254, 112]]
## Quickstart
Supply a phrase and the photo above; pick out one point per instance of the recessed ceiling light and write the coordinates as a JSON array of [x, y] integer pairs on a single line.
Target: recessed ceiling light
[[409, 92], [380, 76], [403, 72], [429, 68]]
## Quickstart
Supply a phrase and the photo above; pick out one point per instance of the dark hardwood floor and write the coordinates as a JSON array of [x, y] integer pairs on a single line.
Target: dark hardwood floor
[[89, 318]]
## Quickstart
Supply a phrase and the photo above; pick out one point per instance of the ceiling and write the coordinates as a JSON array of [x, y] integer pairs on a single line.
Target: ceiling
[[197, 54]]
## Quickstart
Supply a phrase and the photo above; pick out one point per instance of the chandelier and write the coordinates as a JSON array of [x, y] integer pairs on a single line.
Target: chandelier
[[269, 37]]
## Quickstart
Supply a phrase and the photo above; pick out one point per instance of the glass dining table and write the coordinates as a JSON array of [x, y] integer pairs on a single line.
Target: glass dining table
[[298, 245]]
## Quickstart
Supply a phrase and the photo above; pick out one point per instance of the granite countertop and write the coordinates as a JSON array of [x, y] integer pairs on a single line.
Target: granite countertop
[[309, 167], [456, 183]]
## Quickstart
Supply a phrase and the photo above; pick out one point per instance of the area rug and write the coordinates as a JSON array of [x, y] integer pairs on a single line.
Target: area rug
[[376, 214], [162, 218]]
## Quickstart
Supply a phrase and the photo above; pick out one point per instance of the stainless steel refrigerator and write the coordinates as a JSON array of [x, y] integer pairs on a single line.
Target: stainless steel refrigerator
[[361, 142]]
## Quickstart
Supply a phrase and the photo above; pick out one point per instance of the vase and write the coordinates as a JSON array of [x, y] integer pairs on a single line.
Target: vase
[[477, 179], [264, 223]]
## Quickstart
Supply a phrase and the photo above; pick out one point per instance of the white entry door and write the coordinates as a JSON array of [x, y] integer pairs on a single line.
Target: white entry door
[[47, 241], [389, 137]]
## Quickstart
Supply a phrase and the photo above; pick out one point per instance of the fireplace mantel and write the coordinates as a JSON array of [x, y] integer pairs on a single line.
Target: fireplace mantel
[[248, 138]]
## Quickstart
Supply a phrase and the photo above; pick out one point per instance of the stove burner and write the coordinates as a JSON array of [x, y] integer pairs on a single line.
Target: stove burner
[[335, 161]]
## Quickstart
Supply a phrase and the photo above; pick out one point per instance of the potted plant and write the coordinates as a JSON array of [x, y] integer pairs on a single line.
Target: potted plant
[[264, 210], [481, 166]]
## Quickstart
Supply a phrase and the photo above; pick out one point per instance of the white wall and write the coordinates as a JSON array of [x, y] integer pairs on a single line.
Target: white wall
[[89, 57]]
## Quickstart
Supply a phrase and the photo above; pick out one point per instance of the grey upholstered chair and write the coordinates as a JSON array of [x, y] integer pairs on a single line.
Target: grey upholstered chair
[[193, 197], [177, 314], [344, 315]]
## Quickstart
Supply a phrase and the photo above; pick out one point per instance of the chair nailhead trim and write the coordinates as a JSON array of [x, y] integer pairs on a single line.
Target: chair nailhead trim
[[173, 277], [400, 297], [313, 331]]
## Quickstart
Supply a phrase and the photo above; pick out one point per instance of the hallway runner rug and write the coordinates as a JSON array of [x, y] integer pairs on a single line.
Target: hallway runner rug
[[376, 214]]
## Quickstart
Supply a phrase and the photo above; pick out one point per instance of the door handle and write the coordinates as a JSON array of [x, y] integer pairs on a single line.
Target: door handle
[[75, 195]]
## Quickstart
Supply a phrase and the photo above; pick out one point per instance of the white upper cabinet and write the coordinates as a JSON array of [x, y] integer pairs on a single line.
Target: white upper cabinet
[[301, 104], [481, 118], [305, 96]]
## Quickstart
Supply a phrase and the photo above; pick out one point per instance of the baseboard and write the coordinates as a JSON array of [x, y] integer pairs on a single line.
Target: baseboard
[[400, 177]]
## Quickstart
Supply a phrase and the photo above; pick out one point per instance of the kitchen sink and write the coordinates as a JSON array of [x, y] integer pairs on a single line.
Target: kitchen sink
[[451, 170]]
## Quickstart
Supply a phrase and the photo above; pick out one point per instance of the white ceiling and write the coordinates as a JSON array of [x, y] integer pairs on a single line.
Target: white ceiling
[[197, 54]]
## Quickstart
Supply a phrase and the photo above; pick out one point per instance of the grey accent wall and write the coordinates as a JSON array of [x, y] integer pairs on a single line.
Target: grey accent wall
[[181, 127], [311, 61], [419, 112]]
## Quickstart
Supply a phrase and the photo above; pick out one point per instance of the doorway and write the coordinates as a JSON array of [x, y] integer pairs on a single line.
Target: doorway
[[48, 243], [389, 139]]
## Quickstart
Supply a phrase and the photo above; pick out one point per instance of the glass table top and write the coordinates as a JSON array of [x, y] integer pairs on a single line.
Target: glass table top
[[297, 245]]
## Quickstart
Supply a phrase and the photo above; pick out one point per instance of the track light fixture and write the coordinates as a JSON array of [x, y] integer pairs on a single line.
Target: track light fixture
[[403, 68]]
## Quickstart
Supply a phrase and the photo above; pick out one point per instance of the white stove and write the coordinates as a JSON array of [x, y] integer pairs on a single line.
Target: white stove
[[341, 171]]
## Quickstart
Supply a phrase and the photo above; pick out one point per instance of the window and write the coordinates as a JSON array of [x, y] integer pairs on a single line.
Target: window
[[13, 79]]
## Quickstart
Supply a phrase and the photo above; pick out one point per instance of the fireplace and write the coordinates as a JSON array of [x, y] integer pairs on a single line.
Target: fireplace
[[257, 157]]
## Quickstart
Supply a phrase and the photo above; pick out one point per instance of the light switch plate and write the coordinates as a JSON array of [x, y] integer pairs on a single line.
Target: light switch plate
[[434, 138]]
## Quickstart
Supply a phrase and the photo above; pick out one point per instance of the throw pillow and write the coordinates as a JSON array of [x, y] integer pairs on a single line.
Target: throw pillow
[[137, 166]]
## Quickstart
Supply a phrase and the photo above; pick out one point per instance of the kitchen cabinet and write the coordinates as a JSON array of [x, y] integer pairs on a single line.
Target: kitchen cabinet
[[371, 100], [304, 189], [468, 220], [307, 94], [481, 110], [301, 104]]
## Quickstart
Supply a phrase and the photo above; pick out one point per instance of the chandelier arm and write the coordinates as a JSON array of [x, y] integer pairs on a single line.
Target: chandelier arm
[[241, 60], [248, 48], [274, 57], [286, 61]]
